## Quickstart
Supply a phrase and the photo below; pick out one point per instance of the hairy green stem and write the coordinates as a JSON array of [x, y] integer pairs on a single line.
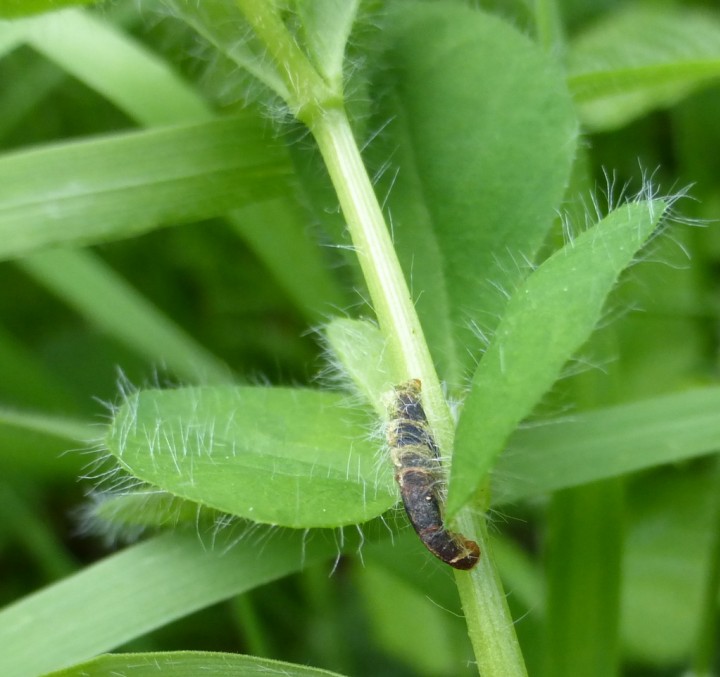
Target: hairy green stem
[[319, 105], [490, 624], [306, 91], [389, 293]]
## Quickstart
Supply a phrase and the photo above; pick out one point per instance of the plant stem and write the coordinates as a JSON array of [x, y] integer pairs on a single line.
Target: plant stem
[[389, 293], [306, 91], [490, 624], [320, 107]]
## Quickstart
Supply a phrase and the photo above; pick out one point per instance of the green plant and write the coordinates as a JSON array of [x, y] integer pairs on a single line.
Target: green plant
[[466, 232]]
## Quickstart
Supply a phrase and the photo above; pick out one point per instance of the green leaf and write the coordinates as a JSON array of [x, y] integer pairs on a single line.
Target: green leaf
[[299, 265], [10, 36], [224, 26], [484, 131], [188, 664], [640, 59], [594, 445], [141, 588], [295, 458], [547, 319], [585, 529], [70, 193], [92, 288], [18, 8], [326, 27], [361, 352]]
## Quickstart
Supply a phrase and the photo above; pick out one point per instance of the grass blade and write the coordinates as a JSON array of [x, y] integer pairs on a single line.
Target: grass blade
[[188, 664], [93, 289], [19, 8], [141, 588], [71, 194], [113, 65], [609, 442], [641, 59]]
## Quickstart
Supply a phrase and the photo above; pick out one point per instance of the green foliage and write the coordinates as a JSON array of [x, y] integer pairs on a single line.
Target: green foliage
[[162, 212], [157, 177], [146, 586], [300, 458], [546, 321], [187, 664], [470, 209], [640, 59], [18, 8]]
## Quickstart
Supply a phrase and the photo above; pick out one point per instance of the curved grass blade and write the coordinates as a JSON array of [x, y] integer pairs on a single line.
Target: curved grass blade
[[19, 8], [92, 288], [188, 664], [640, 59], [141, 588], [610, 442], [122, 70], [71, 194]]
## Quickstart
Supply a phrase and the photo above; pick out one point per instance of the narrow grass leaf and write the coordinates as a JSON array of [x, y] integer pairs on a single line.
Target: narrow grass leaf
[[123, 71], [291, 457], [476, 194], [188, 664], [71, 194], [20, 8], [10, 36], [115, 66], [608, 442], [520, 573], [92, 288], [640, 59], [300, 265], [705, 649], [397, 610], [667, 557], [583, 546], [64, 428], [548, 318], [36, 447], [139, 589]]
